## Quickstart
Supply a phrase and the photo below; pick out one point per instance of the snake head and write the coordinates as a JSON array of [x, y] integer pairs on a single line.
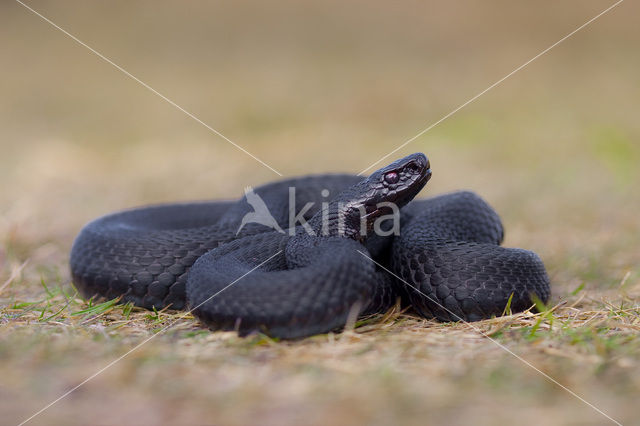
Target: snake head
[[400, 181], [383, 193]]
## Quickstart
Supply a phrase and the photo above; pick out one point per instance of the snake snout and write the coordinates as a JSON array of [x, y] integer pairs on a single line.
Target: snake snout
[[417, 170], [420, 159], [416, 165]]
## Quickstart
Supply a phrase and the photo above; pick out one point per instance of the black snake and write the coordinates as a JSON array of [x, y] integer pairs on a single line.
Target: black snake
[[342, 257]]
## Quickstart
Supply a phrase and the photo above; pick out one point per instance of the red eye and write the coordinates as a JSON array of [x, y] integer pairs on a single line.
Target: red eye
[[391, 177]]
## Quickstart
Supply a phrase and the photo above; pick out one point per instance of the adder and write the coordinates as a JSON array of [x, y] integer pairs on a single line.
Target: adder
[[348, 252]]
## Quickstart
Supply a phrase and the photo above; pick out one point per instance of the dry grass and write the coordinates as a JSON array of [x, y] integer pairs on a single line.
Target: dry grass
[[554, 149], [389, 368]]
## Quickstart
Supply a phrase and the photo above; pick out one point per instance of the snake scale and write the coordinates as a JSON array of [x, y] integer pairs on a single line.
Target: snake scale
[[347, 252]]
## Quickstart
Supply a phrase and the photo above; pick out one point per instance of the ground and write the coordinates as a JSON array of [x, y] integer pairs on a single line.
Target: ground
[[316, 88]]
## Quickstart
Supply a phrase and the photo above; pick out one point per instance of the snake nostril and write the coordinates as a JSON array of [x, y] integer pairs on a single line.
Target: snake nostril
[[412, 167]]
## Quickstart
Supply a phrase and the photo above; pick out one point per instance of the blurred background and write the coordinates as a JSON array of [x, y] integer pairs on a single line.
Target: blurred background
[[331, 86], [312, 87]]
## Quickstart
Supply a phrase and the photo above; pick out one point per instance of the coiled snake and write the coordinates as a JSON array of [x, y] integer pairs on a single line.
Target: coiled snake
[[342, 257]]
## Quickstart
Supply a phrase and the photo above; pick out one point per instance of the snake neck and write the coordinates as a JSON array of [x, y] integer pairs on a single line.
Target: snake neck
[[337, 219], [352, 214]]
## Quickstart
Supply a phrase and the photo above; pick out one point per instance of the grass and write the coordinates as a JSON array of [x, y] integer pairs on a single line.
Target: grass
[[553, 148], [402, 359]]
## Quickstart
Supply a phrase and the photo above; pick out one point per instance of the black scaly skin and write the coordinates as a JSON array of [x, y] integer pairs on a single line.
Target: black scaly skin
[[448, 249], [145, 254], [315, 281], [452, 266]]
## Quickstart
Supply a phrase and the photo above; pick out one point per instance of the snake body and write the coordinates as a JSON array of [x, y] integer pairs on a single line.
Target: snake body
[[336, 260]]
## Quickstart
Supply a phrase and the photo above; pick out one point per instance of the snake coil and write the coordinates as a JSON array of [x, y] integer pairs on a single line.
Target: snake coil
[[341, 259]]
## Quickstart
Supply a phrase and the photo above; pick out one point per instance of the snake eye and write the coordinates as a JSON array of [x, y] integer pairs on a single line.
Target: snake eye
[[391, 177]]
